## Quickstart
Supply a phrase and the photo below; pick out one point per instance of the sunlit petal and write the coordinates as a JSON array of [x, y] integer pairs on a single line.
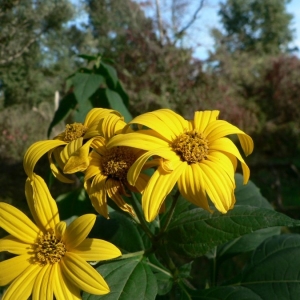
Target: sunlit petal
[[112, 125], [203, 118], [13, 245], [42, 206], [94, 167], [81, 274], [95, 250], [17, 223], [159, 186], [13, 267], [78, 230], [70, 148], [43, 286]]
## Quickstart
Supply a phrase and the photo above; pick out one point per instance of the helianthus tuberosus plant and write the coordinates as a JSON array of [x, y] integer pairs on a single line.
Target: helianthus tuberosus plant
[[168, 198]]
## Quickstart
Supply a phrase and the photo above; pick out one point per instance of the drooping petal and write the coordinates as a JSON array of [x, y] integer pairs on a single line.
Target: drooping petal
[[81, 274], [63, 289], [159, 186], [141, 182], [203, 118], [42, 206], [97, 194], [78, 230], [13, 245], [138, 140], [36, 151], [135, 169], [218, 185], [227, 146], [164, 121], [70, 148], [114, 190], [79, 160], [112, 125], [22, 287], [17, 224], [220, 128], [43, 285], [13, 267], [94, 166], [192, 186], [95, 250]]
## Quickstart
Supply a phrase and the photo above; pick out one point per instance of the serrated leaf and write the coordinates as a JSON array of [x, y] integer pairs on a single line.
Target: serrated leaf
[[128, 279], [116, 103], [273, 271], [197, 231], [85, 85]]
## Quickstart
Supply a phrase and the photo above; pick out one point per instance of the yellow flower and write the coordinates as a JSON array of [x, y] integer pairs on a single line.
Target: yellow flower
[[75, 141], [51, 257], [194, 154], [107, 171]]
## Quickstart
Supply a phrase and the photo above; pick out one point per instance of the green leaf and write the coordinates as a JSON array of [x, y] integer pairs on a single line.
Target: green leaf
[[110, 74], [128, 279], [66, 104], [115, 102], [249, 195], [273, 271], [197, 231], [85, 85]]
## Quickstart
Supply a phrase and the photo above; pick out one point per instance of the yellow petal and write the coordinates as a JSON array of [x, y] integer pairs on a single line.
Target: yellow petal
[[17, 224], [13, 245], [111, 125], [81, 274], [13, 267], [227, 146], [94, 166], [142, 182], [43, 286], [60, 228], [42, 206], [192, 186], [164, 121], [63, 289], [79, 160], [203, 118], [22, 287], [78, 230], [70, 148], [95, 249], [36, 151], [220, 128], [159, 186]]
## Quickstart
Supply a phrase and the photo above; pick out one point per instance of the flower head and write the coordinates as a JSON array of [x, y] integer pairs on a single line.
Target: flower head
[[108, 168], [194, 154], [51, 257], [75, 141]]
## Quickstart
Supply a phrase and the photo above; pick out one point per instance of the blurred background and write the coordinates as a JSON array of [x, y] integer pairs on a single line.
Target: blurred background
[[238, 56]]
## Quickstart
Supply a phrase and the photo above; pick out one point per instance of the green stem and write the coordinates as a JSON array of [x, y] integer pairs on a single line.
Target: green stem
[[128, 255], [170, 215], [140, 216], [213, 267], [160, 269]]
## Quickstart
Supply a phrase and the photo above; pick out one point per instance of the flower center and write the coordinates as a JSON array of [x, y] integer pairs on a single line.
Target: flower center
[[74, 131], [191, 146], [49, 249], [117, 162]]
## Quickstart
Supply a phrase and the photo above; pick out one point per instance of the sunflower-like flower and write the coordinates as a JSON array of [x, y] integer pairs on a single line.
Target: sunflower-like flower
[[107, 170], [74, 141], [194, 154], [51, 257]]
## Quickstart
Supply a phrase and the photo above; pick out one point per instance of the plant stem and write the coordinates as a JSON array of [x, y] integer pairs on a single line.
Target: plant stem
[[213, 267], [140, 216]]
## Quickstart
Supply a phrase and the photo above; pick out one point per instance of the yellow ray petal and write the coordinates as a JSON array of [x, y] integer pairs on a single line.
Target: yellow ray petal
[[13, 267], [138, 140], [17, 224], [81, 274], [43, 286], [159, 186], [42, 206], [141, 182], [94, 166], [21, 288], [203, 118], [63, 289], [111, 125], [227, 146], [36, 151], [13, 245], [220, 128], [70, 148], [135, 169], [192, 186], [95, 249], [78, 230]]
